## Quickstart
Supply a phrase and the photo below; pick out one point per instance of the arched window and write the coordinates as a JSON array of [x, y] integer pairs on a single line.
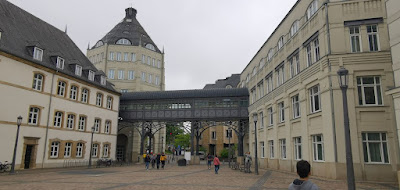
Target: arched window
[[294, 28], [270, 54], [228, 86], [99, 43], [150, 46], [123, 41], [262, 63], [280, 43], [312, 9], [37, 81], [254, 71]]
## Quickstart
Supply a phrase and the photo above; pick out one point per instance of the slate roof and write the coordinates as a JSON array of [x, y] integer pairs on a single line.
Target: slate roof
[[129, 28], [233, 80], [180, 94], [22, 31]]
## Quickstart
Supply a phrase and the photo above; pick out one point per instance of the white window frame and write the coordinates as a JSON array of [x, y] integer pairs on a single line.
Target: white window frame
[[283, 148], [262, 149], [73, 93], [111, 73], [280, 76], [33, 116], [37, 53], [123, 41], [61, 88], [280, 43], [309, 55], [143, 59], [315, 143], [294, 28], [355, 35], [97, 125], [55, 147], [131, 75], [383, 144], [150, 78], [148, 60], [312, 9], [297, 148], [296, 106], [111, 58], [119, 56], [107, 127], [91, 75], [60, 63], [154, 62], [37, 81], [373, 33], [157, 80], [270, 84], [82, 123], [78, 70], [99, 99], [143, 76], [281, 108], [105, 150], [270, 116], [159, 64], [84, 95], [213, 135], [377, 90], [261, 114], [271, 149], [313, 96], [58, 119], [109, 102], [317, 54], [103, 80], [79, 150], [294, 63], [95, 149], [133, 57], [70, 121], [126, 56], [121, 74], [67, 149]]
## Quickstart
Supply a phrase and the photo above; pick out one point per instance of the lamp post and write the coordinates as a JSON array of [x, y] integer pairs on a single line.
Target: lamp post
[[91, 149], [343, 82], [162, 144], [19, 121], [229, 139], [255, 118]]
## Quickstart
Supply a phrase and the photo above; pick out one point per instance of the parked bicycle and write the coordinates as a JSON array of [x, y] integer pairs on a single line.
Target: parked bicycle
[[5, 167], [103, 162]]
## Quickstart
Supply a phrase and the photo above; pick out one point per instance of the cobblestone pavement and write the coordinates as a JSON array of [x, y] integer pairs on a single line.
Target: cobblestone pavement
[[172, 177]]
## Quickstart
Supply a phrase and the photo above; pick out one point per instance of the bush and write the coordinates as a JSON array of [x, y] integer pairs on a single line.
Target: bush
[[224, 153]]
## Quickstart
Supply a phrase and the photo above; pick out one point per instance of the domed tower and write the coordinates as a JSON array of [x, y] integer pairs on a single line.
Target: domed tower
[[129, 57]]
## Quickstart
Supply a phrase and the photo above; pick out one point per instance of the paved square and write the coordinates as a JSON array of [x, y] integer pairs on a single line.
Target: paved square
[[172, 177]]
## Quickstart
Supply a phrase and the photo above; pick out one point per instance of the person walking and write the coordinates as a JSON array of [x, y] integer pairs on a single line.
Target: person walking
[[209, 161], [216, 164], [158, 159], [153, 160], [163, 158], [147, 161]]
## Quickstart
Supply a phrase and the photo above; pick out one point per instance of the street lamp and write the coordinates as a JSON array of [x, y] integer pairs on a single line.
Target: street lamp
[[255, 118], [343, 82], [19, 121], [91, 149], [162, 144], [229, 138]]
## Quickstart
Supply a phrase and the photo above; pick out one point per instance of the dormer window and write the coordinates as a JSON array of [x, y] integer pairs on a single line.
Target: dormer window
[[123, 41], [99, 43], [151, 47], [78, 70], [103, 80], [37, 53], [60, 63], [91, 75]]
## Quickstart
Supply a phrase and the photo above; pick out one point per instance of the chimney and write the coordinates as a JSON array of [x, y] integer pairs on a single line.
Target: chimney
[[130, 13]]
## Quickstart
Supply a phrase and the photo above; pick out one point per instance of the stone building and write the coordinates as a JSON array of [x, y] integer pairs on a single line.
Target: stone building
[[133, 63], [294, 91], [46, 79]]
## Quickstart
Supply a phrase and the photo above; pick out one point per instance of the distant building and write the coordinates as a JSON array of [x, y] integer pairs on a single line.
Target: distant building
[[46, 79], [229, 82]]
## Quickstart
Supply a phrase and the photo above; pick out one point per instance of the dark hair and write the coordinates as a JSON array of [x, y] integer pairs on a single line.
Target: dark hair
[[303, 168]]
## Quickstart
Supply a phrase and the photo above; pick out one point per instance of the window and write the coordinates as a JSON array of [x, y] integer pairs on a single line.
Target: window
[[99, 43], [120, 74], [78, 70], [228, 134], [271, 149], [99, 99], [103, 80], [269, 84], [355, 39], [282, 142], [280, 75], [148, 60], [37, 82], [33, 116], [124, 90], [118, 56], [111, 58], [254, 71], [95, 148], [91, 75], [157, 80], [261, 120], [73, 92], [316, 49], [55, 146], [37, 53], [67, 150], [270, 55], [84, 95], [143, 59], [280, 43], [150, 46], [150, 78], [159, 64], [373, 39], [297, 148], [309, 55], [294, 28], [318, 147], [133, 57], [60, 63], [97, 125], [281, 108], [70, 121], [294, 65], [105, 150], [82, 123], [262, 150], [126, 57], [154, 62], [61, 88], [312, 9], [131, 75], [111, 73], [58, 117], [262, 63], [79, 150], [296, 106], [143, 76], [123, 41], [270, 116], [107, 127], [375, 147], [213, 135], [109, 102], [369, 90], [315, 99], [260, 88]]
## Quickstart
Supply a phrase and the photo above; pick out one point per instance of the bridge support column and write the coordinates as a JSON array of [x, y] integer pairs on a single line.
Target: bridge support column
[[192, 138]]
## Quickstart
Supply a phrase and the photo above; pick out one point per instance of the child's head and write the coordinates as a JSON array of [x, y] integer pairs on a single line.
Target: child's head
[[303, 168]]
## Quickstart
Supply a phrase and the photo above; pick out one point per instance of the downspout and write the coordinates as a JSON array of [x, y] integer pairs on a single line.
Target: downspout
[[330, 81], [48, 120]]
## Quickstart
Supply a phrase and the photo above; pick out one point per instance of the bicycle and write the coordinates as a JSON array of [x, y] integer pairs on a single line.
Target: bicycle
[[5, 167]]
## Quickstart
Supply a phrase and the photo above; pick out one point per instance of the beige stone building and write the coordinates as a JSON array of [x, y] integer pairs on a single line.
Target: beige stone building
[[393, 20], [133, 63], [295, 93], [216, 138], [47, 80]]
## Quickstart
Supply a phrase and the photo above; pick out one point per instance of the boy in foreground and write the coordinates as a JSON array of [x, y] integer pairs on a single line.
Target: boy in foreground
[[303, 169]]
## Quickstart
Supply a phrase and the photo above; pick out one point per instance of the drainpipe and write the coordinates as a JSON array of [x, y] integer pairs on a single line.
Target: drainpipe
[[48, 120], [330, 81]]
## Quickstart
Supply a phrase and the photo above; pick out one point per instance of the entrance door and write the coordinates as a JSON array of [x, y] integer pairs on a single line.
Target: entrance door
[[212, 149], [28, 155], [121, 153]]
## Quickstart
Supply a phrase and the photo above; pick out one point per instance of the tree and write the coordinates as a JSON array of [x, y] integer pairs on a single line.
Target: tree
[[182, 140], [172, 131]]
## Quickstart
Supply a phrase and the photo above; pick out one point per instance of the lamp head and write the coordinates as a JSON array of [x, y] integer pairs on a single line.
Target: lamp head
[[93, 129], [343, 77], [255, 117], [19, 120]]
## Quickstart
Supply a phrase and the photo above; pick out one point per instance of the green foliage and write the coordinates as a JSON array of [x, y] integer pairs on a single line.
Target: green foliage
[[203, 149], [172, 132], [183, 140], [224, 153]]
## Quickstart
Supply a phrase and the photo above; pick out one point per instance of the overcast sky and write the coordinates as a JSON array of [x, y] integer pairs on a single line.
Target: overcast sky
[[204, 40]]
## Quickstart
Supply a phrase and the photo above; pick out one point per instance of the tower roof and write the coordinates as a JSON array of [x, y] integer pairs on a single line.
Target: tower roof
[[129, 28]]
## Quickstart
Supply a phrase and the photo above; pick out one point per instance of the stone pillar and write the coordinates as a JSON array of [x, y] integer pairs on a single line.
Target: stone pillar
[[129, 148]]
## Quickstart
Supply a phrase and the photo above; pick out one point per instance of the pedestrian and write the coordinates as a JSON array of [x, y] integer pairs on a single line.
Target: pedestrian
[[216, 164], [153, 160], [158, 159], [303, 170], [163, 158], [147, 161], [209, 161], [247, 162]]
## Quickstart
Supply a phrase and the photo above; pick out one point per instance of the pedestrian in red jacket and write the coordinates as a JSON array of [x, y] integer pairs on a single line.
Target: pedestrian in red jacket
[[216, 164]]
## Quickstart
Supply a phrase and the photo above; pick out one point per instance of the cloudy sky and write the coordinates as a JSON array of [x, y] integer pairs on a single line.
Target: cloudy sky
[[204, 40]]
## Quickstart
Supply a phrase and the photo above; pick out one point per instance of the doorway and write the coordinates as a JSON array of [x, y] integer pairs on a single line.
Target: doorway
[[28, 156], [212, 149]]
